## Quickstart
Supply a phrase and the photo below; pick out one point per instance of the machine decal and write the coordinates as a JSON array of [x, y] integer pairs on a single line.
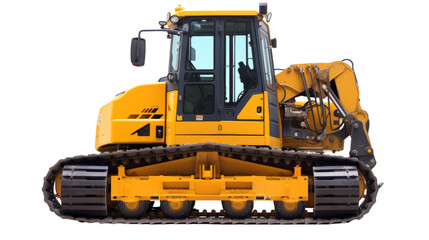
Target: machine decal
[[157, 116], [143, 131], [149, 110]]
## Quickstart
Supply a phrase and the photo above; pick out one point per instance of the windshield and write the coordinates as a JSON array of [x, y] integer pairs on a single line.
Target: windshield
[[174, 54]]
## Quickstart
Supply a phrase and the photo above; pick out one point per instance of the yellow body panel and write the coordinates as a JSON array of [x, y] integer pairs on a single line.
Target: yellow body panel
[[249, 112], [128, 112], [220, 128], [227, 132], [171, 118], [104, 126], [228, 139]]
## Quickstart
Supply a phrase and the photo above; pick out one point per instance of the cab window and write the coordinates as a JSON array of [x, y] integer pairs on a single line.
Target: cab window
[[199, 89], [265, 48], [174, 53], [200, 54], [240, 76]]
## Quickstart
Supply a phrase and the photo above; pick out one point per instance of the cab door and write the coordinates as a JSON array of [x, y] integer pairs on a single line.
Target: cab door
[[199, 79], [219, 91], [242, 99]]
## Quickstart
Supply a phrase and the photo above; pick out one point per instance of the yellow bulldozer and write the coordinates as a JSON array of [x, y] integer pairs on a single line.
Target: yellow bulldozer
[[222, 126]]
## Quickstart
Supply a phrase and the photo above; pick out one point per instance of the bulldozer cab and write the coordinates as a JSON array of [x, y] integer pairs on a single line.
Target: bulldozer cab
[[225, 76]]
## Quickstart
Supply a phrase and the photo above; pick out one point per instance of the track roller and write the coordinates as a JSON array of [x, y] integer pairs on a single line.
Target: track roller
[[336, 191], [176, 209], [237, 209], [287, 210], [134, 210]]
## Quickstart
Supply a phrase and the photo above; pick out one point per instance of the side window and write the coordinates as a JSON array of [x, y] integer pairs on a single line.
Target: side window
[[174, 54], [199, 89], [240, 76], [265, 47], [201, 46]]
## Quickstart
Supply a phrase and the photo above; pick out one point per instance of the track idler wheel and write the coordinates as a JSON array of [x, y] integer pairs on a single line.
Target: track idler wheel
[[237, 209], [133, 210], [288, 210], [336, 191], [176, 209], [84, 191]]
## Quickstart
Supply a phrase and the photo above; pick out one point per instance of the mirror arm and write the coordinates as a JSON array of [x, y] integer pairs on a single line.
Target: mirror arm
[[169, 31]]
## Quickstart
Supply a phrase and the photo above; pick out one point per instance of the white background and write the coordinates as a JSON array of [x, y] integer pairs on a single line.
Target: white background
[[62, 60]]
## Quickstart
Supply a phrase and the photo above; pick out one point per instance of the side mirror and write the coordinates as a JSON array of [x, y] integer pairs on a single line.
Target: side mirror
[[138, 51]]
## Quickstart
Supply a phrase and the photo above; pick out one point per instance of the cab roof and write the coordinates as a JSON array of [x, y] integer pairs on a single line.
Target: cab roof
[[181, 14]]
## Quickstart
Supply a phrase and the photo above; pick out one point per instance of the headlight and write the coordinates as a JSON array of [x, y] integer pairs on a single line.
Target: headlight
[[174, 19]]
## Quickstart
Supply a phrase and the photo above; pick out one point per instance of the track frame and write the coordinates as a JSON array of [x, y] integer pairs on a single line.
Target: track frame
[[290, 189], [265, 156]]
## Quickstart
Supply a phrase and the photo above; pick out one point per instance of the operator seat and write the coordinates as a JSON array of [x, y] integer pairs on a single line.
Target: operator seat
[[247, 76]]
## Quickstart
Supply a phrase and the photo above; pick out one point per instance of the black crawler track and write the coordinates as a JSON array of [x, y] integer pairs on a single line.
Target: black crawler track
[[266, 156], [84, 190], [336, 191]]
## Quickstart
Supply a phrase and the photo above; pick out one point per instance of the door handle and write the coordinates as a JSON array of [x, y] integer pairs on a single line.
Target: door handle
[[219, 108]]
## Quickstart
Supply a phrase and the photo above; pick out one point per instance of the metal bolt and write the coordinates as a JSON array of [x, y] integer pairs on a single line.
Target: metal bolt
[[331, 139], [355, 125], [354, 152]]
